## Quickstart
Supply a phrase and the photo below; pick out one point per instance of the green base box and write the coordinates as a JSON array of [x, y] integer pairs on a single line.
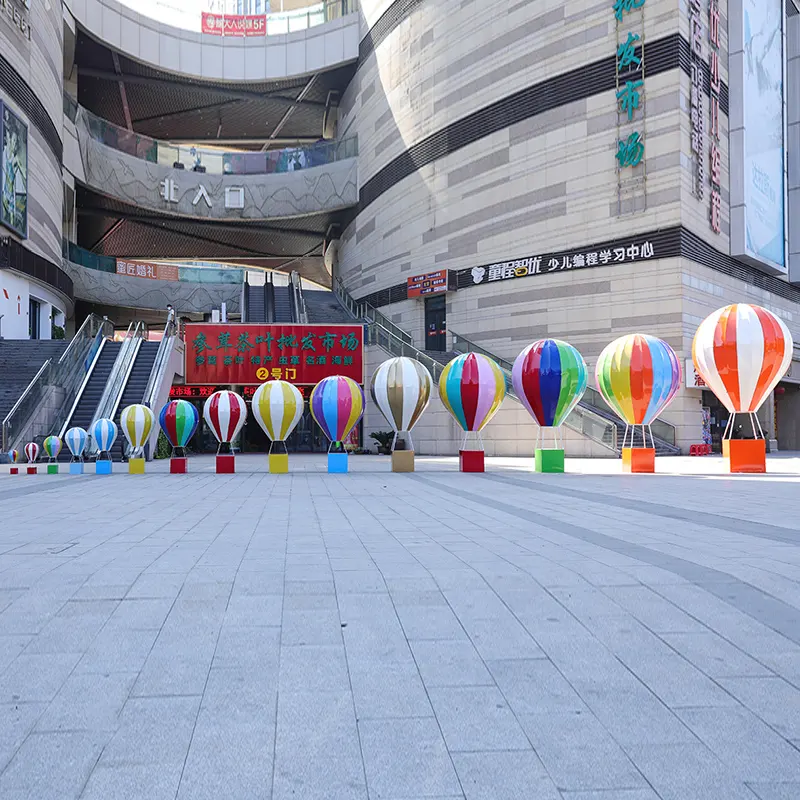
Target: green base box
[[549, 460], [52, 469]]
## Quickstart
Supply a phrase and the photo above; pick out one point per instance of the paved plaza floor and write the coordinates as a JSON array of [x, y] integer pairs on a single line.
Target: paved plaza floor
[[373, 636]]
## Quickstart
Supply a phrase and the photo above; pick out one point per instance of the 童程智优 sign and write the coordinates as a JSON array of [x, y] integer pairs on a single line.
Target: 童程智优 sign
[[228, 354]]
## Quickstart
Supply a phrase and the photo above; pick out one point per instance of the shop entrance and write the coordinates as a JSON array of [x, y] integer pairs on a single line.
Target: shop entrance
[[436, 323]]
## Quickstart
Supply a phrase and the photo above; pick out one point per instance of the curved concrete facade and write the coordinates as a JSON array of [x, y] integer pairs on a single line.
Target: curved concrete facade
[[281, 195], [211, 57]]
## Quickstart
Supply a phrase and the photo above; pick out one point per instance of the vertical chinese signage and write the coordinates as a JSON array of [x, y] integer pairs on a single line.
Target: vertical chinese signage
[[714, 156], [630, 86], [13, 172], [698, 124], [225, 355]]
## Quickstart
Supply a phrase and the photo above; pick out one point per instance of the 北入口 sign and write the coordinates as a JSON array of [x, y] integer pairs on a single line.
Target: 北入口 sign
[[430, 283], [224, 354]]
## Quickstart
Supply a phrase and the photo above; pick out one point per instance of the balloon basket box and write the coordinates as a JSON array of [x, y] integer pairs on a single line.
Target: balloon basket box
[[747, 455], [639, 460], [226, 465], [103, 467], [549, 460], [278, 463], [177, 466], [52, 469], [33, 470], [76, 468], [471, 461], [14, 471], [136, 466], [403, 461], [337, 463]]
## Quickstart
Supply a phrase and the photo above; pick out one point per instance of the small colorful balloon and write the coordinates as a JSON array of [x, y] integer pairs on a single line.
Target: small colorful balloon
[[76, 439], [52, 447], [104, 433], [472, 387], [137, 423], [13, 456], [179, 420], [32, 452], [225, 413], [337, 404]]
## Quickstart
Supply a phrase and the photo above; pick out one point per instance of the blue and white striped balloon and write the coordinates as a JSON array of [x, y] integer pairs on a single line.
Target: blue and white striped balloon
[[76, 441], [104, 433]]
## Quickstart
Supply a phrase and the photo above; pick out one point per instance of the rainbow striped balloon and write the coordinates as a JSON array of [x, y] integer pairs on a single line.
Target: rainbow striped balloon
[[52, 446], [472, 388], [337, 404], [179, 420], [31, 452], [137, 422], [13, 456], [742, 352], [638, 375], [549, 377], [104, 433], [76, 439], [278, 407]]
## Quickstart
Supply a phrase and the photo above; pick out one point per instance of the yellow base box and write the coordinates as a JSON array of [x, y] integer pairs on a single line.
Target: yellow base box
[[136, 466], [279, 463]]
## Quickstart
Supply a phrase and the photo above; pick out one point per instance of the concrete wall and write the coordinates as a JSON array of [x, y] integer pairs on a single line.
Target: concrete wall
[[15, 293], [256, 58], [39, 64], [141, 183]]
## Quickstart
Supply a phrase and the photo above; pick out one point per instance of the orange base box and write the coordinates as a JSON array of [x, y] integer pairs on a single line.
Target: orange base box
[[639, 460], [177, 466], [748, 455], [471, 461], [226, 465]]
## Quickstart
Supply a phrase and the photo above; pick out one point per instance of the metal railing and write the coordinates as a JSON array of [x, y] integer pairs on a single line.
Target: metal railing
[[360, 309], [162, 360], [206, 160], [299, 311], [47, 399], [118, 379]]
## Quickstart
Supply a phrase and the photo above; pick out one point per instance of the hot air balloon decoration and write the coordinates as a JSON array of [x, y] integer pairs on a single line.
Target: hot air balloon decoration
[[13, 457], [638, 376], [337, 404], [549, 378], [31, 451], [178, 419], [225, 412], [137, 422], [104, 433], [742, 352], [278, 406], [472, 387], [76, 439], [52, 447], [401, 388]]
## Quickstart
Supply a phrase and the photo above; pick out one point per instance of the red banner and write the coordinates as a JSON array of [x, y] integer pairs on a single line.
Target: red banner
[[233, 24], [430, 283], [228, 354]]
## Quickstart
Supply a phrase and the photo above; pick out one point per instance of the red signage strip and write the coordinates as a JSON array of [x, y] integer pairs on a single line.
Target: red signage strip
[[234, 24], [430, 283], [228, 354]]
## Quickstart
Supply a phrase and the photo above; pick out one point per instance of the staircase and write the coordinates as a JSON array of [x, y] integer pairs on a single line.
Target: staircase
[[20, 360], [87, 404], [134, 391], [323, 306], [283, 304]]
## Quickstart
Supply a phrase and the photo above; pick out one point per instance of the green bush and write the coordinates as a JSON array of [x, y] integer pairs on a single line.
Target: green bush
[[163, 447]]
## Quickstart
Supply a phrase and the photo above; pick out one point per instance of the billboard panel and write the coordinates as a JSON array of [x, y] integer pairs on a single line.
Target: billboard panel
[[13, 172], [758, 197]]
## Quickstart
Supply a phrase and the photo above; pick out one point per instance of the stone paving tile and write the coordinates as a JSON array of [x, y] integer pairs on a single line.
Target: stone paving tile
[[436, 635]]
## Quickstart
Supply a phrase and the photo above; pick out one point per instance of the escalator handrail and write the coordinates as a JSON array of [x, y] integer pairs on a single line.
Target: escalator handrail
[[161, 361], [81, 389]]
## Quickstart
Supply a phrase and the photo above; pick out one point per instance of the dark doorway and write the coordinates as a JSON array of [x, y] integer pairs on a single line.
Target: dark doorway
[[34, 307], [436, 323]]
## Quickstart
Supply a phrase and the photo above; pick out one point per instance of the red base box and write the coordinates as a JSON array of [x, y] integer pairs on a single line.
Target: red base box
[[748, 455], [33, 470], [14, 471], [471, 461], [177, 466], [639, 459], [226, 465]]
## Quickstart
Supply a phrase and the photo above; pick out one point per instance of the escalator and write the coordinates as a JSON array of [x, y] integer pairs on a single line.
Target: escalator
[[283, 304], [135, 389], [88, 400], [256, 302]]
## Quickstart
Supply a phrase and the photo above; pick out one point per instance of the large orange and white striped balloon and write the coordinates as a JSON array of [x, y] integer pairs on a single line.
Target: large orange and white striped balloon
[[742, 352]]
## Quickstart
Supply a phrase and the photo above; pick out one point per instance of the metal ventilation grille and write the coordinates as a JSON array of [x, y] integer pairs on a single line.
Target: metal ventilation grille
[[24, 97], [14, 256], [388, 21], [663, 55]]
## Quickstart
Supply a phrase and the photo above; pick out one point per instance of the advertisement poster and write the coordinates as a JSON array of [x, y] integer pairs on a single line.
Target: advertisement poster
[[14, 172], [231, 354], [233, 24], [763, 130]]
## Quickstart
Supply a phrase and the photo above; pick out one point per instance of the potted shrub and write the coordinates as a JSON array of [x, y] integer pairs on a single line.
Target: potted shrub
[[384, 440]]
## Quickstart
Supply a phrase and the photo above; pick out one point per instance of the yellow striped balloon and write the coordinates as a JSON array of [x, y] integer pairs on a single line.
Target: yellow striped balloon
[[277, 407], [137, 422]]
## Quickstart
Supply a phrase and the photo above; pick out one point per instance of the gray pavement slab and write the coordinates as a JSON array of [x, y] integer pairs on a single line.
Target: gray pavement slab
[[590, 636]]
